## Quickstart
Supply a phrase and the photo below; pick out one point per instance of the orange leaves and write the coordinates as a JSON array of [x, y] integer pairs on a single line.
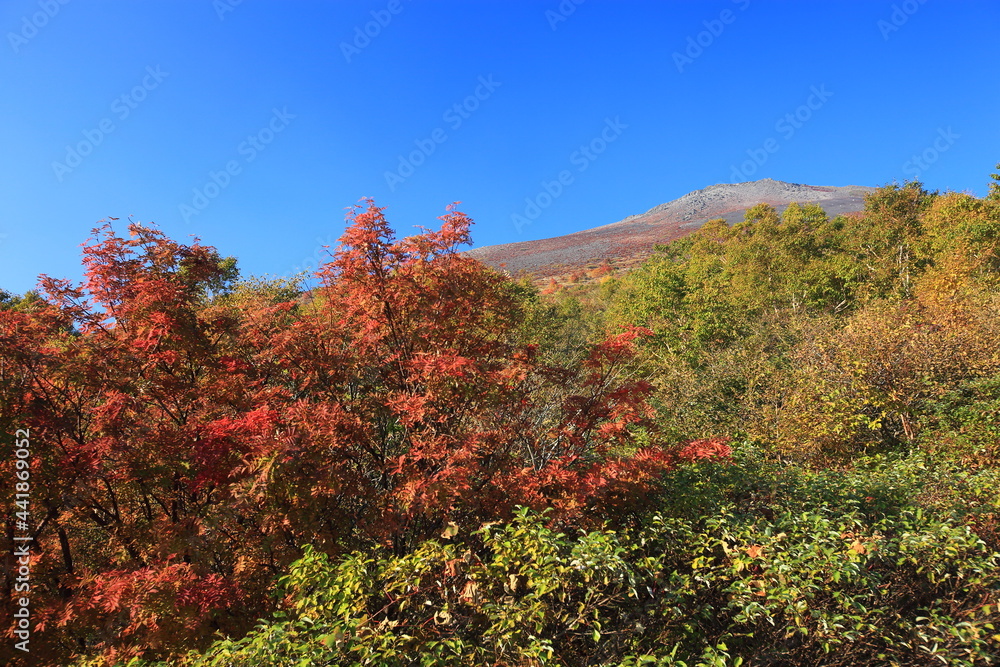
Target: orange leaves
[[440, 363], [709, 448], [156, 602], [617, 348], [410, 408], [470, 592]]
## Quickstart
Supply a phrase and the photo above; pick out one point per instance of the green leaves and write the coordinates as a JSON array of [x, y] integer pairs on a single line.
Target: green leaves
[[724, 588]]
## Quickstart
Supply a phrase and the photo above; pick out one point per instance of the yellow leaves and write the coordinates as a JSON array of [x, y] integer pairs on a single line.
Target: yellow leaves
[[866, 382], [754, 551], [243, 564], [701, 561], [335, 637]]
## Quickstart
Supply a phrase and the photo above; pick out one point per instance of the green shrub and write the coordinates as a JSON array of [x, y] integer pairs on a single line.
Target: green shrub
[[859, 576]]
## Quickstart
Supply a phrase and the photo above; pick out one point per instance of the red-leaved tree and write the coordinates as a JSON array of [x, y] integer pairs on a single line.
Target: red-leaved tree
[[185, 446]]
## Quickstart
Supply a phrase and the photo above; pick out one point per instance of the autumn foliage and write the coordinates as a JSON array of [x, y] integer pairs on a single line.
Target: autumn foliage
[[420, 459], [187, 444], [853, 360]]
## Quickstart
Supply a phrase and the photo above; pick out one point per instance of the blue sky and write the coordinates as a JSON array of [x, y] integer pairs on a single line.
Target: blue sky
[[255, 124]]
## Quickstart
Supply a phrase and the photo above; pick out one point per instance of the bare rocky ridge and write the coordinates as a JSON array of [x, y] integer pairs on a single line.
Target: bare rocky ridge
[[627, 242]]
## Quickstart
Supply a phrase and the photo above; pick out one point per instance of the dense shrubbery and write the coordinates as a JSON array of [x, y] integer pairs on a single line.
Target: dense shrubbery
[[755, 561], [424, 462]]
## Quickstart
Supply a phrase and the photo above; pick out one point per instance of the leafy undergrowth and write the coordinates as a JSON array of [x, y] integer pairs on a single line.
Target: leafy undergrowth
[[751, 563]]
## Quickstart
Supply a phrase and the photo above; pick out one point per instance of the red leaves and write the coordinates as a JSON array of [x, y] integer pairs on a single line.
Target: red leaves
[[155, 603], [393, 402], [617, 348], [410, 409], [709, 448]]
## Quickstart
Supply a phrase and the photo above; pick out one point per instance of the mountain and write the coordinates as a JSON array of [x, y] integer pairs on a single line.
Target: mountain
[[628, 242]]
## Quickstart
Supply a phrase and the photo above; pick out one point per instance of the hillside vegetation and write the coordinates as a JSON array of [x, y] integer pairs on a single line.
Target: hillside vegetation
[[773, 443]]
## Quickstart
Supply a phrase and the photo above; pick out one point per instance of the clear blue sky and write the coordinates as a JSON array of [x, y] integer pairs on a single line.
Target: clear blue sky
[[115, 108]]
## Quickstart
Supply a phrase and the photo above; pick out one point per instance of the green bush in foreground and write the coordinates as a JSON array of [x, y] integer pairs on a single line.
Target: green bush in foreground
[[778, 566]]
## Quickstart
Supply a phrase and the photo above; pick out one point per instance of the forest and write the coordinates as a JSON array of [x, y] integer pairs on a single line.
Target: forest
[[773, 443]]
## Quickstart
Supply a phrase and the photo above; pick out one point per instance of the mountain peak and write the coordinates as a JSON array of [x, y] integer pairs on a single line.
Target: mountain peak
[[630, 240]]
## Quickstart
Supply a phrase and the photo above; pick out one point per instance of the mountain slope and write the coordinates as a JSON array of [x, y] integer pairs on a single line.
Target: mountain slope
[[629, 241]]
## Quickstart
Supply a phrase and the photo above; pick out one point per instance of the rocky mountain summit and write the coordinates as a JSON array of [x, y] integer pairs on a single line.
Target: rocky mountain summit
[[629, 241]]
